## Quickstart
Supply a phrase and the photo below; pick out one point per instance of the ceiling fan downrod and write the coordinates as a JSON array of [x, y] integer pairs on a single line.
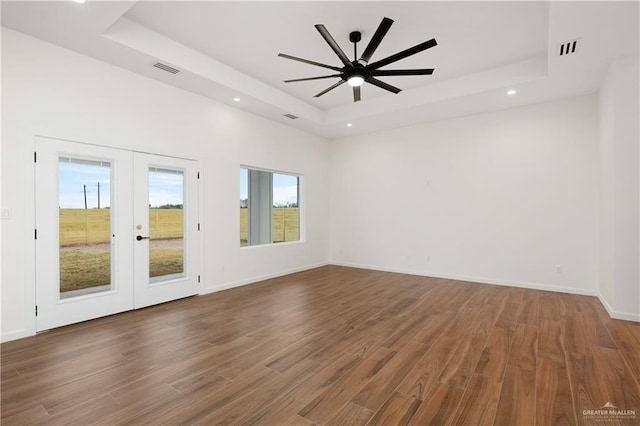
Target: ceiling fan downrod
[[355, 37]]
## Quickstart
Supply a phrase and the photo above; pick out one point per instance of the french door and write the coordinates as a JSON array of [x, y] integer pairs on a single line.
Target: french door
[[115, 230]]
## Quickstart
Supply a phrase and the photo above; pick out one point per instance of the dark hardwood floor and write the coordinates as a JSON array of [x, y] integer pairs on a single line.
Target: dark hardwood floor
[[334, 346]]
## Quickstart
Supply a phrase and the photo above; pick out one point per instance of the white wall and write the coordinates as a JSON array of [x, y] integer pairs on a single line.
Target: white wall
[[507, 197], [53, 92], [619, 189]]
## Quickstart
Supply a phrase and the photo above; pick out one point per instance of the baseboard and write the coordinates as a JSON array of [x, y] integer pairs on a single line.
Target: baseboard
[[481, 280], [18, 334], [15, 335], [253, 280], [626, 316]]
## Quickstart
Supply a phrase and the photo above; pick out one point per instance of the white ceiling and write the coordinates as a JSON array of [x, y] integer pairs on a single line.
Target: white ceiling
[[229, 49]]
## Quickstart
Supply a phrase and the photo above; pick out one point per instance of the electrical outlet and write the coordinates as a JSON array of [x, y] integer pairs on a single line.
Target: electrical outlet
[[558, 269], [5, 214]]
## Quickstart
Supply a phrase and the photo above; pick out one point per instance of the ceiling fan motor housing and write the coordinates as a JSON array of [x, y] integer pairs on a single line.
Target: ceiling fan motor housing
[[356, 69]]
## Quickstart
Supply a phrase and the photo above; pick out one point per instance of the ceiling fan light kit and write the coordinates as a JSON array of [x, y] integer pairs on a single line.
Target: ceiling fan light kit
[[355, 81], [359, 71]]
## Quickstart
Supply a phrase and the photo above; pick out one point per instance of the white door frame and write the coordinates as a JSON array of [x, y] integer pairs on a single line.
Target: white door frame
[[124, 296]]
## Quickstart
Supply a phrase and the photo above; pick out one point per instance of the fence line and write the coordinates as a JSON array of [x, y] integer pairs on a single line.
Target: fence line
[[92, 226], [285, 224]]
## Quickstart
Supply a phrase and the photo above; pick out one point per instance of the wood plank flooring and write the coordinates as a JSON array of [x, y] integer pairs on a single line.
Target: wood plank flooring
[[334, 346]]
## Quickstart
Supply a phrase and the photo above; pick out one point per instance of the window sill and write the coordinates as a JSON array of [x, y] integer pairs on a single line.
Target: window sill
[[286, 243]]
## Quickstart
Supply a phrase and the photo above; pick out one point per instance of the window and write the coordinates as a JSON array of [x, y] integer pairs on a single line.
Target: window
[[269, 207]]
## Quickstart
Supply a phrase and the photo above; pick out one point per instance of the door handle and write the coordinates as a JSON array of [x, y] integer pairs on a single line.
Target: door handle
[[140, 238]]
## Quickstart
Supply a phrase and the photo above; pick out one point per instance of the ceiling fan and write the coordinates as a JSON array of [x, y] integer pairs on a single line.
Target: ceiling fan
[[355, 73]]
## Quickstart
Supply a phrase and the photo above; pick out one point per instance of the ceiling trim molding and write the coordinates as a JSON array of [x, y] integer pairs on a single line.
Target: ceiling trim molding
[[135, 36]]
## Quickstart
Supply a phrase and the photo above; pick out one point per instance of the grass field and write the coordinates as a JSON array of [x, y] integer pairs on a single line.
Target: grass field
[[93, 226], [83, 269], [86, 266]]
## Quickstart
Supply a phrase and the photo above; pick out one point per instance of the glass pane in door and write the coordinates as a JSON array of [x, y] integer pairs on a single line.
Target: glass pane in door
[[166, 224], [84, 203]]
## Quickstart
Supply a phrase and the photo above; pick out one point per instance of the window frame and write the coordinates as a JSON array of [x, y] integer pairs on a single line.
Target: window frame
[[301, 206]]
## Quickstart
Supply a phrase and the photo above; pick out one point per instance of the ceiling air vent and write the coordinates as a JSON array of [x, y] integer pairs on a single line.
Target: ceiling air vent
[[291, 116], [569, 47], [165, 67]]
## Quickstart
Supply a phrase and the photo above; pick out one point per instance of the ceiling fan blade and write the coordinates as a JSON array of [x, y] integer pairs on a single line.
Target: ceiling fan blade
[[327, 37], [306, 61], [329, 88], [383, 85], [356, 93], [381, 73], [405, 53], [376, 39], [313, 78]]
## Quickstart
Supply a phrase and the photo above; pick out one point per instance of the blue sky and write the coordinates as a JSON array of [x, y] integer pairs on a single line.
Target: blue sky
[[72, 177], [164, 188], [285, 188]]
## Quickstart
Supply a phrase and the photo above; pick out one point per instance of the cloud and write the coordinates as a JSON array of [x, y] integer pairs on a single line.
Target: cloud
[[165, 188], [285, 194], [72, 179]]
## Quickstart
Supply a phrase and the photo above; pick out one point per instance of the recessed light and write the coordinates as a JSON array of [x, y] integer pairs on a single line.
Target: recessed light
[[511, 92], [349, 125], [79, 1], [236, 99]]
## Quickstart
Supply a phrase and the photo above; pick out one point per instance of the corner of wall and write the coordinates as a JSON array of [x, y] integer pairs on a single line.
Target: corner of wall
[[619, 204], [626, 316]]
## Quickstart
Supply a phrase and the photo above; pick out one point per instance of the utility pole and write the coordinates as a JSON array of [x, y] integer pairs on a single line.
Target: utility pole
[[85, 196], [98, 185]]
